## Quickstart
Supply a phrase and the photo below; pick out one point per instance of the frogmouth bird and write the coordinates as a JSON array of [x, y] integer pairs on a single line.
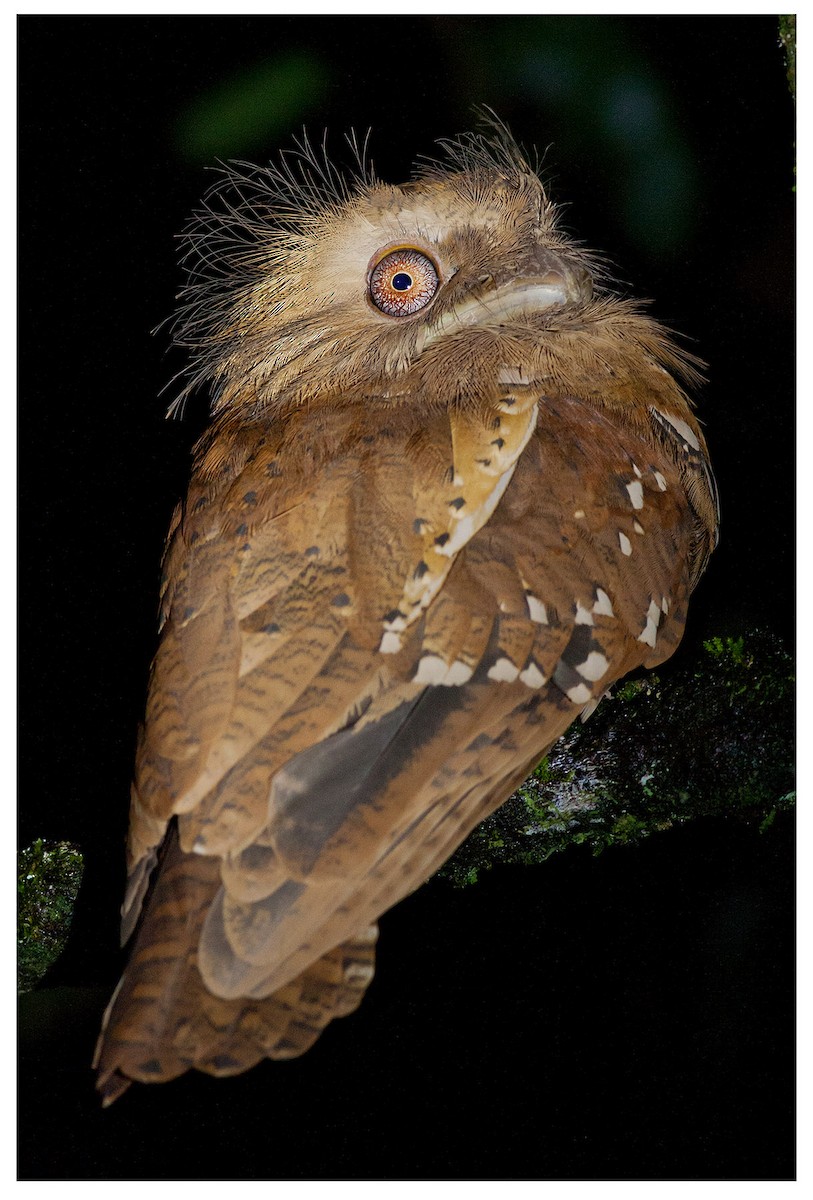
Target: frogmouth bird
[[452, 489]]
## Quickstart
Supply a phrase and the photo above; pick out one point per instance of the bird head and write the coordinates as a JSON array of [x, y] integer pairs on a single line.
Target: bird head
[[305, 284]]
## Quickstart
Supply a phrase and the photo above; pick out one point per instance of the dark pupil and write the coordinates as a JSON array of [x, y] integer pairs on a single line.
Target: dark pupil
[[402, 282]]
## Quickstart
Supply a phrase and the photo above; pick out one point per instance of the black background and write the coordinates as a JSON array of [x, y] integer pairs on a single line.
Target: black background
[[621, 1017]]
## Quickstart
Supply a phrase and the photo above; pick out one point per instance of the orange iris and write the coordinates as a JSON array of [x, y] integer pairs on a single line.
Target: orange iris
[[403, 282]]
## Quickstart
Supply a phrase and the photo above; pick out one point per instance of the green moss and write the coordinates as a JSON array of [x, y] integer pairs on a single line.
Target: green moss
[[714, 737], [787, 40], [48, 879]]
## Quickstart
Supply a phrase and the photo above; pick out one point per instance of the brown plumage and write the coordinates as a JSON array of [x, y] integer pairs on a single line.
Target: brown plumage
[[451, 492]]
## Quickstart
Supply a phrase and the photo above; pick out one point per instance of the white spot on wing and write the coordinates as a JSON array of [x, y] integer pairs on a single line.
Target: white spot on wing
[[650, 630], [503, 671], [637, 470], [459, 672], [649, 635], [661, 482], [624, 543], [532, 677], [583, 617], [602, 604], [665, 604], [579, 694], [638, 528], [536, 610], [390, 643], [579, 513], [431, 669], [594, 666], [636, 494]]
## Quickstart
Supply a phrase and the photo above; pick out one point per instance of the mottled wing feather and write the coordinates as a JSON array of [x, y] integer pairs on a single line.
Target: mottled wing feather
[[162, 1020], [348, 817], [339, 697], [269, 573]]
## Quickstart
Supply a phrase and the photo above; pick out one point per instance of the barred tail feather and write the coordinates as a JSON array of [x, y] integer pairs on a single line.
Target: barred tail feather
[[163, 1021]]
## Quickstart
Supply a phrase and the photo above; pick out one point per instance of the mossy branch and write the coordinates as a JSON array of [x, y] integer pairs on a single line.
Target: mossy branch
[[711, 738]]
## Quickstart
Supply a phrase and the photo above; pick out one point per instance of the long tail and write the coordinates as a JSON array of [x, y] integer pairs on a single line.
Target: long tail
[[163, 1021]]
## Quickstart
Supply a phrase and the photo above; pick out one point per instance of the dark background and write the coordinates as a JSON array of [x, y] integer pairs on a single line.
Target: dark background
[[621, 1017]]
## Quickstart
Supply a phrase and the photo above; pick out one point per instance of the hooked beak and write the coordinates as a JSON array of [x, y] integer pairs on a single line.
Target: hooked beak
[[546, 281]]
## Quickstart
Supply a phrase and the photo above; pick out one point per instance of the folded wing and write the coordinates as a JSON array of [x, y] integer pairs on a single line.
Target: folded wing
[[333, 707]]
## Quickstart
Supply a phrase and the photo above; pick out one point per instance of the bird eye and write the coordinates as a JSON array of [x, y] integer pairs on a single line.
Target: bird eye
[[403, 282]]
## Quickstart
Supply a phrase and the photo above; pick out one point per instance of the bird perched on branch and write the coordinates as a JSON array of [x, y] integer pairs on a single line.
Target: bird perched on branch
[[451, 491]]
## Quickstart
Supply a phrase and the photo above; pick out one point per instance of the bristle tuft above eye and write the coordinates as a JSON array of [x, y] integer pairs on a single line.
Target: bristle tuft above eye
[[251, 221], [493, 149]]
